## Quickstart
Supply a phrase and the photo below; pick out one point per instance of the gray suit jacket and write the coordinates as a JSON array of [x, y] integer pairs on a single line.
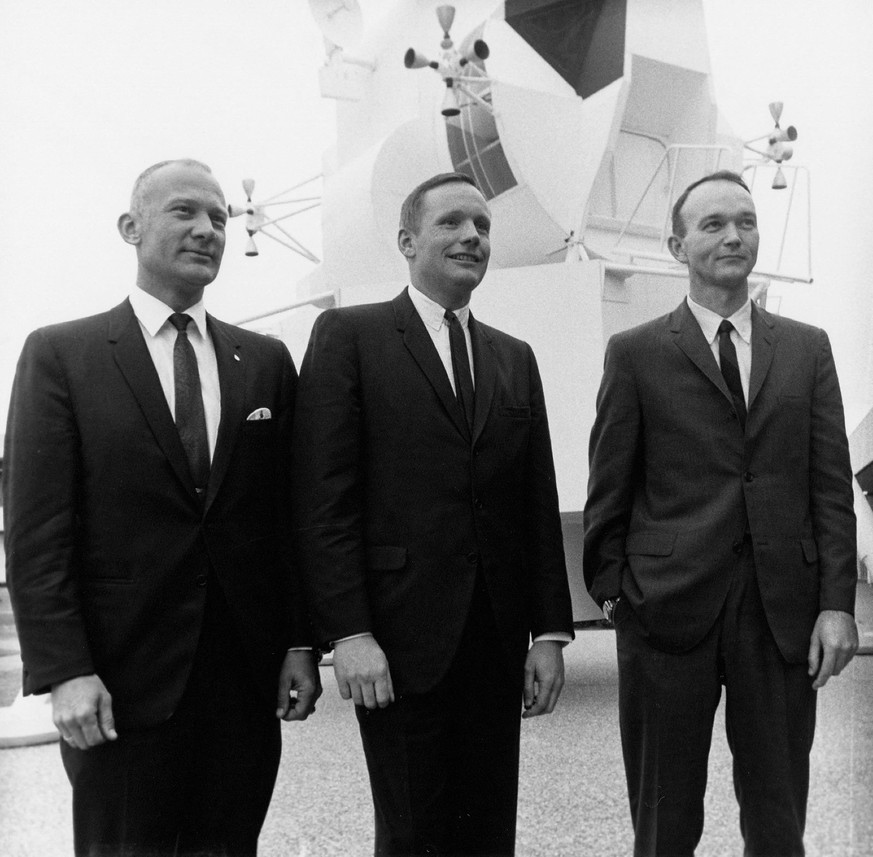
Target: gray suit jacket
[[674, 481]]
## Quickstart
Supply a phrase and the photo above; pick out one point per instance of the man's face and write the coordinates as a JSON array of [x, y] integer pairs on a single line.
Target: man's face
[[448, 254], [720, 245], [181, 228]]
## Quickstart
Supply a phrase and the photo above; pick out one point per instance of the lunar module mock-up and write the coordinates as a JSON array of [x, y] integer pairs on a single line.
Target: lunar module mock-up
[[582, 122]]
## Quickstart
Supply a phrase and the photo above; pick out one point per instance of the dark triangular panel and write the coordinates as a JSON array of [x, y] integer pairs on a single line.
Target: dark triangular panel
[[583, 40]]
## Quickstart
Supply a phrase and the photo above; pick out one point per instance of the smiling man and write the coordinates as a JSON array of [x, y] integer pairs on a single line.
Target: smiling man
[[146, 475], [430, 535], [720, 538]]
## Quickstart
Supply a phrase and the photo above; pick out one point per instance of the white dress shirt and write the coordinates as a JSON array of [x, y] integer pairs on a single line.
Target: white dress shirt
[[433, 316], [741, 336], [160, 338]]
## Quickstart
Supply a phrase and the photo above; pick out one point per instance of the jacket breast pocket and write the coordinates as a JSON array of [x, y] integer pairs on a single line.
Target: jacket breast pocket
[[258, 435], [515, 412], [258, 428], [795, 400]]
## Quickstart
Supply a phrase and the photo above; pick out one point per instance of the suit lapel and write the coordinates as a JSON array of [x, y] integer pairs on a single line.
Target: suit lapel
[[419, 344], [689, 337], [763, 347], [485, 375], [133, 359], [232, 383]]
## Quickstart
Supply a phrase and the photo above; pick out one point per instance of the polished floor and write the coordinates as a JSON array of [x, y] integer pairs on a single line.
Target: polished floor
[[572, 786]]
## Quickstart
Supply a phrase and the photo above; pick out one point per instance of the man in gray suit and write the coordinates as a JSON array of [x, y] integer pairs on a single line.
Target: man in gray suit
[[720, 537]]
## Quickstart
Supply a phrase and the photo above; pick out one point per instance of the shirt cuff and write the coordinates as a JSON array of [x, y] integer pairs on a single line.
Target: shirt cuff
[[351, 637], [554, 637]]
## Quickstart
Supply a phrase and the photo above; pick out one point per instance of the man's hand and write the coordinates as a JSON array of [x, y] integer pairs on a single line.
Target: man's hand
[[833, 644], [299, 686], [543, 677], [82, 712], [362, 672]]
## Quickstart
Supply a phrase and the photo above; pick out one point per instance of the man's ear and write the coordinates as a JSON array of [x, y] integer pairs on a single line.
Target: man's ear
[[406, 243], [129, 228], [677, 248]]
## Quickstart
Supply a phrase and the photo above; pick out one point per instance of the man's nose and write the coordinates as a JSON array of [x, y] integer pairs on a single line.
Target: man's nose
[[203, 226], [731, 235], [469, 232]]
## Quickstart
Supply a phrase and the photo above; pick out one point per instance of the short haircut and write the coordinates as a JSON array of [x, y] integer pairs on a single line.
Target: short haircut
[[410, 211], [721, 176], [140, 186]]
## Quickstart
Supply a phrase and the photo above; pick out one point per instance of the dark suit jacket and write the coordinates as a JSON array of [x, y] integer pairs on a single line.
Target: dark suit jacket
[[400, 506], [108, 546], [673, 480]]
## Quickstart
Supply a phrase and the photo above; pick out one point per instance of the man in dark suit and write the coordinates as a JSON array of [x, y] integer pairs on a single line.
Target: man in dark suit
[[146, 560], [720, 537], [430, 536]]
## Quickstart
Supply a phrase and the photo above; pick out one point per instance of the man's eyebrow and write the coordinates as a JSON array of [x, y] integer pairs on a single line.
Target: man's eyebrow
[[190, 200]]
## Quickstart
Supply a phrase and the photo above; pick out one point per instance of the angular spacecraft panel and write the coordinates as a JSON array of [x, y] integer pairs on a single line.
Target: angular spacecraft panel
[[583, 41]]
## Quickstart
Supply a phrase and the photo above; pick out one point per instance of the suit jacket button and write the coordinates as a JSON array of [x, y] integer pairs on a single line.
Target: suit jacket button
[[748, 476], [478, 503], [472, 558], [737, 547], [200, 580]]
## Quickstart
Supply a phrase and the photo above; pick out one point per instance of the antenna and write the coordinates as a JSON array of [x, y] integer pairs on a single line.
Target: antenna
[[454, 65], [257, 220], [778, 145]]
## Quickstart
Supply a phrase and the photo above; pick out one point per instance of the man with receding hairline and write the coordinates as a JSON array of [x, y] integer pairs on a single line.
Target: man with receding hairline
[[430, 536], [146, 482], [720, 538]]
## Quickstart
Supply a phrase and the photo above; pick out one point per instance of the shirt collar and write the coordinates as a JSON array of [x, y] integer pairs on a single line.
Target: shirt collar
[[153, 314], [432, 314], [709, 320]]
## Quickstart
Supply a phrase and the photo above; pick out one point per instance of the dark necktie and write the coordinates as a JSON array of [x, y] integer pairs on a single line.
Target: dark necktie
[[190, 416], [461, 366], [730, 368]]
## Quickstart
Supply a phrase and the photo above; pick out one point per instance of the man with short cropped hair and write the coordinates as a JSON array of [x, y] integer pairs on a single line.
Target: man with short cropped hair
[[430, 535], [146, 495], [720, 537]]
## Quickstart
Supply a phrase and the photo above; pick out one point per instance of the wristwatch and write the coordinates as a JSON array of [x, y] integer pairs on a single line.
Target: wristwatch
[[609, 608]]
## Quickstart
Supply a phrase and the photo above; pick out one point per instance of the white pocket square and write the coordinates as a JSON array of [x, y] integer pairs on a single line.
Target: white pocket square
[[260, 414]]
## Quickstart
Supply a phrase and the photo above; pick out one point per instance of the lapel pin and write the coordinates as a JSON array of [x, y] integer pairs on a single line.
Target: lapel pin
[[236, 357]]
